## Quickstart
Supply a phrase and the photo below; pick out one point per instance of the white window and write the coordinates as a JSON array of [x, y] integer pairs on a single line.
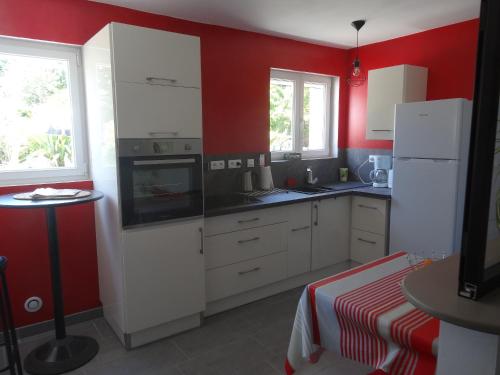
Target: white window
[[41, 119], [303, 114]]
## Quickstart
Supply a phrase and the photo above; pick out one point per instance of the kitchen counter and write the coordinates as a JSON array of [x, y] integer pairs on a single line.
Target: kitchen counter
[[223, 205]]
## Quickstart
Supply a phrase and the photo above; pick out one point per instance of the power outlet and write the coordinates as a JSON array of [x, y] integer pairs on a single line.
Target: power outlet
[[250, 163], [234, 163], [217, 164]]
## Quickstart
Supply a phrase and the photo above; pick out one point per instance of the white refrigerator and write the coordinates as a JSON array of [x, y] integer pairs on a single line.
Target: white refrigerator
[[431, 148]]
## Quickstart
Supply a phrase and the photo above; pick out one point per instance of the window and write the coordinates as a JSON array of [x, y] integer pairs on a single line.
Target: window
[[41, 126], [302, 114]]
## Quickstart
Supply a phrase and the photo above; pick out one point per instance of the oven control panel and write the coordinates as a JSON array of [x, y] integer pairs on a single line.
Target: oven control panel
[[166, 146]]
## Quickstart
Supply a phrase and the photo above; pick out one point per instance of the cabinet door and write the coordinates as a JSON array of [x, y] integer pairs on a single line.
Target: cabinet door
[[145, 111], [388, 87], [331, 222], [164, 274], [299, 239], [385, 90], [157, 56]]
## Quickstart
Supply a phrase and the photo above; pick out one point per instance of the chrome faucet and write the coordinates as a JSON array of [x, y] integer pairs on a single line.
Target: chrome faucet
[[310, 180]]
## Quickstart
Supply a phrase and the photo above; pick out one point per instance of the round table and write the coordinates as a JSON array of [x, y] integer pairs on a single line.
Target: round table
[[469, 334], [63, 353]]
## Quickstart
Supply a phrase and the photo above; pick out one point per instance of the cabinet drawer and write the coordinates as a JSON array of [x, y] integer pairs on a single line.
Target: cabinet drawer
[[369, 214], [162, 111], [245, 220], [237, 278], [366, 246], [229, 248]]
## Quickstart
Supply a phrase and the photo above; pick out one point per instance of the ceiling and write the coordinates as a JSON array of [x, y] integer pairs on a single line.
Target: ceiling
[[319, 21]]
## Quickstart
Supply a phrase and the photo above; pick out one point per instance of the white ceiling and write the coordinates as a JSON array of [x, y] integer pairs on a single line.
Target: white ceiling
[[318, 21]]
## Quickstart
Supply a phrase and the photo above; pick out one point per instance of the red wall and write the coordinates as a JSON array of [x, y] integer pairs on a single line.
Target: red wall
[[450, 54], [235, 86]]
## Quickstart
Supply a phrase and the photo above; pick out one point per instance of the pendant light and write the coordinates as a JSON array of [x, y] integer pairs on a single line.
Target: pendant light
[[356, 75]]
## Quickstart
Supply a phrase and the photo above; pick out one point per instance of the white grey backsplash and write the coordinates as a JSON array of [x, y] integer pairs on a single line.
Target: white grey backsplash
[[356, 156], [226, 181]]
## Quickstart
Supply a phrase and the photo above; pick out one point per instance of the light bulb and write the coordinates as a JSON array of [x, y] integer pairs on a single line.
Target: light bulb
[[356, 71]]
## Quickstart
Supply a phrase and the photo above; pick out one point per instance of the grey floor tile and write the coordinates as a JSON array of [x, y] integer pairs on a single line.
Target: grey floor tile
[[251, 339], [216, 330], [234, 358]]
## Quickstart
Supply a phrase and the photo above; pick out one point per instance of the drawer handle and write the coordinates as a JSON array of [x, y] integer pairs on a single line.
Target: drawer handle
[[154, 134], [301, 228], [370, 242], [381, 130], [249, 240], [248, 220], [168, 80], [369, 207], [248, 271]]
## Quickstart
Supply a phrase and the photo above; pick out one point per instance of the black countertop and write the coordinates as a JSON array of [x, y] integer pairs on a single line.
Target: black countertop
[[237, 202]]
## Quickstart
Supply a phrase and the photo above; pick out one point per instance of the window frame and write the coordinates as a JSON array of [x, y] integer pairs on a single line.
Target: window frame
[[331, 109], [72, 54]]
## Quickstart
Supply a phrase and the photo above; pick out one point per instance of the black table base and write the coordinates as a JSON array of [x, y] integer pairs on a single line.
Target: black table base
[[60, 356], [63, 353]]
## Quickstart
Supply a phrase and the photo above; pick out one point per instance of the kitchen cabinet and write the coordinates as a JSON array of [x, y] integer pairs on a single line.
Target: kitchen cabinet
[[163, 273], [331, 221], [229, 248], [239, 277], [145, 111], [388, 87], [299, 239], [155, 57], [251, 249], [143, 83], [369, 228]]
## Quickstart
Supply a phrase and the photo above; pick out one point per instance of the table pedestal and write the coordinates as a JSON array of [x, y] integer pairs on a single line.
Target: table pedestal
[[464, 351], [64, 353]]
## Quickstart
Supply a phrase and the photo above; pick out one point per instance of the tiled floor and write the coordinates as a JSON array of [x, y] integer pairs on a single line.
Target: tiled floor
[[251, 339]]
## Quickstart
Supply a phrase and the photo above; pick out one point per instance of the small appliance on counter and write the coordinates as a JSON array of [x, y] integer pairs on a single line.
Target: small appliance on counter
[[247, 181], [380, 173], [266, 178]]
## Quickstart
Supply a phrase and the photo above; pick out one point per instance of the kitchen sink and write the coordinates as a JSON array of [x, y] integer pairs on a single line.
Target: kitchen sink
[[311, 190]]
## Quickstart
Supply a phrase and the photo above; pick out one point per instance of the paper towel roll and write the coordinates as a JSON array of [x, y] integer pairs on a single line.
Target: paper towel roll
[[266, 178]]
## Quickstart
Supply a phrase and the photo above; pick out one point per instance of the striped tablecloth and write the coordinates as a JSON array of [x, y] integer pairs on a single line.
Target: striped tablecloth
[[361, 314]]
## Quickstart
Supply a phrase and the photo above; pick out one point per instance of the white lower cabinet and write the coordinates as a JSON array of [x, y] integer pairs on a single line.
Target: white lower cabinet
[[366, 246], [228, 248], [331, 222], [163, 274], [369, 229], [240, 277], [299, 239]]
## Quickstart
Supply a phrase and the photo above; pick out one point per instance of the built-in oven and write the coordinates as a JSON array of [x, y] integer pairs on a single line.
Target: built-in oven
[[160, 179]]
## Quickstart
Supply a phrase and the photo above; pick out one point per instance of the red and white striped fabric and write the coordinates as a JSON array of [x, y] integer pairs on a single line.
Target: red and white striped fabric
[[361, 314]]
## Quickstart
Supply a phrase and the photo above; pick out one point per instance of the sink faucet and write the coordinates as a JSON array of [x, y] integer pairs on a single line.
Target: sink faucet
[[310, 180]]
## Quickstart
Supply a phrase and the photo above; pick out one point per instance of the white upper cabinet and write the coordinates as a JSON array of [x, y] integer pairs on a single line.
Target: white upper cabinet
[[155, 57], [388, 87], [145, 111]]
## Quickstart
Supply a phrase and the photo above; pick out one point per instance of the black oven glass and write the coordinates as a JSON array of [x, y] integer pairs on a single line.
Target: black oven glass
[[160, 188]]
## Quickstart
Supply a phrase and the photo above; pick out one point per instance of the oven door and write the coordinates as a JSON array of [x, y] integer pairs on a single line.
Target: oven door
[[155, 188]]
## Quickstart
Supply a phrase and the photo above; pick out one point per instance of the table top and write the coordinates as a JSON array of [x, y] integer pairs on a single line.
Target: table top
[[8, 201], [434, 289]]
